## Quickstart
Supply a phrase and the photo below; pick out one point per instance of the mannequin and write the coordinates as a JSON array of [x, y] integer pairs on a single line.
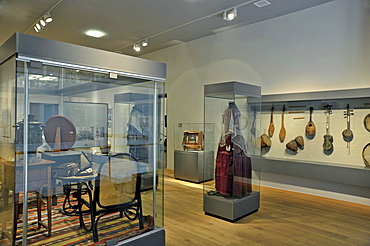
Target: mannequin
[[233, 163]]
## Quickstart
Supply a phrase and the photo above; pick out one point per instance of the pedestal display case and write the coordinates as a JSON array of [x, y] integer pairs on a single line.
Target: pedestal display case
[[326, 135], [67, 177], [190, 162], [234, 109]]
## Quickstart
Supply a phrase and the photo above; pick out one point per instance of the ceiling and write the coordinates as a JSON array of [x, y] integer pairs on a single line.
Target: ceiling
[[164, 22]]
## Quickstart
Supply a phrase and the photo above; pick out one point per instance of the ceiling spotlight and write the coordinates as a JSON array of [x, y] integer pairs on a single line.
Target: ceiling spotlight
[[137, 47], [144, 42], [230, 14], [42, 22], [38, 26], [48, 18], [37, 30]]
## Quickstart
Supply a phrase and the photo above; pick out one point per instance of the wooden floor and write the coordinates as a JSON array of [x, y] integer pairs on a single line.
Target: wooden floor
[[284, 218]]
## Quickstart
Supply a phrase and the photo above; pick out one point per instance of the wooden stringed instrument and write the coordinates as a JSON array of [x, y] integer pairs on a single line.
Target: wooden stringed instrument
[[271, 127], [347, 133], [282, 133], [310, 127], [328, 139]]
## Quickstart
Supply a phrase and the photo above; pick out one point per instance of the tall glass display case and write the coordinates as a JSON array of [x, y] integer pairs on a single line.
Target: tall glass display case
[[190, 163], [234, 109], [72, 158]]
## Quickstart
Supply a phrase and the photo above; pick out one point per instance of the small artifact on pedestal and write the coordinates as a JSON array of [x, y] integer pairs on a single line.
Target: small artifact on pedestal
[[193, 140]]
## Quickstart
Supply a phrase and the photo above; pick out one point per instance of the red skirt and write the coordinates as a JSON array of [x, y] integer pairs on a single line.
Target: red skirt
[[233, 171]]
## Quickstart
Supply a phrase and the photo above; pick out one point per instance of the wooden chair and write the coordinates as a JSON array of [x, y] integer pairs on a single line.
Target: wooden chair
[[132, 209]]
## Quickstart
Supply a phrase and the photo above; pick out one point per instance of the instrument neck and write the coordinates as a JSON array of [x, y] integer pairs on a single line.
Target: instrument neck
[[328, 123]]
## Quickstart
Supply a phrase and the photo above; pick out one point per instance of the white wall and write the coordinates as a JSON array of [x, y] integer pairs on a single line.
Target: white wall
[[326, 47]]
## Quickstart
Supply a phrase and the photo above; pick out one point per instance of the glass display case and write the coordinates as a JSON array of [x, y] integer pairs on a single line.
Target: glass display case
[[190, 163], [234, 109], [325, 137], [73, 154]]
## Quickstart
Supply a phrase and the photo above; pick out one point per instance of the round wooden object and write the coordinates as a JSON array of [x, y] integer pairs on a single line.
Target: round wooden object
[[367, 122], [366, 155], [60, 133]]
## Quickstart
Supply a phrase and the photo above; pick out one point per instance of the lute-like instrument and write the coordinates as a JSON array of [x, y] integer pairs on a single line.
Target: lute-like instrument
[[271, 126], [347, 133], [328, 139], [310, 127], [282, 133]]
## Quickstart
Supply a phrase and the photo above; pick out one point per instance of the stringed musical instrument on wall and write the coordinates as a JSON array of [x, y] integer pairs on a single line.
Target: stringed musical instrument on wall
[[347, 133], [328, 139], [282, 133], [271, 126], [310, 127]]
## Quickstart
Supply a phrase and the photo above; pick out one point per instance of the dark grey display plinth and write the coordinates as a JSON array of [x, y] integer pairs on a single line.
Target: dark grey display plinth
[[156, 237], [193, 166], [231, 208]]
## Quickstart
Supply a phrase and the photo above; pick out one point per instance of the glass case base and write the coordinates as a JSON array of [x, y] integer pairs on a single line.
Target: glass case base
[[154, 238], [231, 209], [192, 166]]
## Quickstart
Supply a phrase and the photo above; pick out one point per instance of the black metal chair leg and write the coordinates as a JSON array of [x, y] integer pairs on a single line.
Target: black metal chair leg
[[38, 210]]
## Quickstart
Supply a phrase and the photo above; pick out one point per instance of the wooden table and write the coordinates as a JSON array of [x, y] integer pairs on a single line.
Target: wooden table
[[39, 175]]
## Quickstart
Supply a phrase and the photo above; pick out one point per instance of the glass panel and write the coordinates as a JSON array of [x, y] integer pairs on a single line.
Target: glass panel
[[234, 115], [93, 151], [7, 135]]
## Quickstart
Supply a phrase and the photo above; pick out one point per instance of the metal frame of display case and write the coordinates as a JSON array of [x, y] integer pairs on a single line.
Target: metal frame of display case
[[246, 200], [40, 51]]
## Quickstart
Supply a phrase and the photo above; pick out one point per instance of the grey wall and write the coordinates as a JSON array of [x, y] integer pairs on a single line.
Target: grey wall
[[321, 48]]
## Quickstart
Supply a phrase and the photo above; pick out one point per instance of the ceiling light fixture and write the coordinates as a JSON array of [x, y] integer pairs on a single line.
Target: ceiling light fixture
[[41, 23], [144, 42], [230, 14], [137, 47], [48, 18], [95, 33]]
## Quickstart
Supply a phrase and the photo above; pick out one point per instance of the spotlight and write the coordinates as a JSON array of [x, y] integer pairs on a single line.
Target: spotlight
[[42, 22], [48, 18], [37, 30], [144, 42], [38, 26], [137, 47], [230, 14]]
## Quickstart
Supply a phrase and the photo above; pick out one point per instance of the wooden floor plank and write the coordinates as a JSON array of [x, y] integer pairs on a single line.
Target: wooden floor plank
[[285, 218]]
